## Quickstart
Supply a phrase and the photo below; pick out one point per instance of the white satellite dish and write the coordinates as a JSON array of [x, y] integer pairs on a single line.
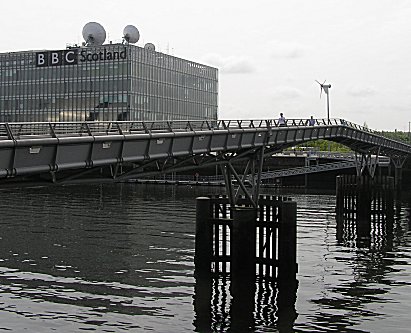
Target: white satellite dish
[[150, 47], [131, 34], [94, 33]]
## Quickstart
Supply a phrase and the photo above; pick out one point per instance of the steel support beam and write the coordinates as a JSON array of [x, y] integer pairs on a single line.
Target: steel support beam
[[366, 162], [398, 162]]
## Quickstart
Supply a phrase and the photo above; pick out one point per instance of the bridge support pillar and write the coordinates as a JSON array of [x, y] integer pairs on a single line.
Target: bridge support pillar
[[247, 242], [365, 163], [243, 265], [243, 242], [251, 176]]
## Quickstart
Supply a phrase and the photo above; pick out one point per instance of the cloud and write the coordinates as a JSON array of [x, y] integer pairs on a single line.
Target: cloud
[[229, 65], [286, 93], [357, 91], [285, 50]]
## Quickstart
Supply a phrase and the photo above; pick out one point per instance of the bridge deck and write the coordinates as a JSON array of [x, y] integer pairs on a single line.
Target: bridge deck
[[32, 148]]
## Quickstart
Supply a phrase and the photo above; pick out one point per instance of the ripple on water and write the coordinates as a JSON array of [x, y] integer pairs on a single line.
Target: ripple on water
[[119, 258]]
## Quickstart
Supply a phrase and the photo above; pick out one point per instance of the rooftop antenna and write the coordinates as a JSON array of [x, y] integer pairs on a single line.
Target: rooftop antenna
[[325, 87]]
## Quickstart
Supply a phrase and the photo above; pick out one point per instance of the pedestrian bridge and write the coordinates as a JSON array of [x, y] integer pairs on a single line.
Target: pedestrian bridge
[[129, 150]]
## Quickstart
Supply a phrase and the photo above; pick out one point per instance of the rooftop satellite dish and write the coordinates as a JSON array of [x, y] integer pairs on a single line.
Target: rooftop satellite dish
[[150, 47], [94, 34], [131, 34]]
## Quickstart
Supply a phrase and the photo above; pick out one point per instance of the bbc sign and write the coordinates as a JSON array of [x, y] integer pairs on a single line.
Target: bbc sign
[[57, 58], [73, 56]]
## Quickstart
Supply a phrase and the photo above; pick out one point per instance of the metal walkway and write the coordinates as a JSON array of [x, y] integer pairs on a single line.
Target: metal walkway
[[219, 179], [308, 169], [132, 149]]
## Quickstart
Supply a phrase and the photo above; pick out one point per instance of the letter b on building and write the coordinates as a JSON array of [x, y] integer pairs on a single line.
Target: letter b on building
[[55, 58], [41, 59]]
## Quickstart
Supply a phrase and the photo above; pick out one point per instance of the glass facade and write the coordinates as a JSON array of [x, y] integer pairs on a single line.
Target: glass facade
[[108, 82]]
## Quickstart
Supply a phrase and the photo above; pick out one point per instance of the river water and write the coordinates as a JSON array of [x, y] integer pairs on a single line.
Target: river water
[[119, 258]]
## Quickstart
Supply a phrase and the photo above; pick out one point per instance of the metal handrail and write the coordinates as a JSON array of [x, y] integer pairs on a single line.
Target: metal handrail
[[118, 127], [27, 130]]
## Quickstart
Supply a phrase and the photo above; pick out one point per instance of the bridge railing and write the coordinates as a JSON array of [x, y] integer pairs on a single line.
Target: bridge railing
[[59, 129]]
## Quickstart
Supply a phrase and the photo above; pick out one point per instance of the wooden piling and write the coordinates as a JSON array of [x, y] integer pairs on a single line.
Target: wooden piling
[[363, 205], [202, 300], [243, 242], [287, 254], [243, 238], [203, 237]]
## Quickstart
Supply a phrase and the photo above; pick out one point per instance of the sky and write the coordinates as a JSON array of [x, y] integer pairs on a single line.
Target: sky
[[269, 52]]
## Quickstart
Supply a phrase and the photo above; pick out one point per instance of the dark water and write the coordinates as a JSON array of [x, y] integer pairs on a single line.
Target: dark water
[[119, 258]]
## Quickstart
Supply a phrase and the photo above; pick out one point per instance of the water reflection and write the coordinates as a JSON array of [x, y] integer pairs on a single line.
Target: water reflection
[[100, 249], [119, 258], [378, 233], [370, 285], [372, 246], [224, 305]]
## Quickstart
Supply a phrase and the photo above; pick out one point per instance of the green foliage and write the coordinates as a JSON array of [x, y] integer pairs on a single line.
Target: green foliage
[[396, 135], [322, 145]]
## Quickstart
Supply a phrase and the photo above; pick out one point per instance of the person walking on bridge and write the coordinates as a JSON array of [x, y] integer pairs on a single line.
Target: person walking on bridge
[[311, 121], [282, 121]]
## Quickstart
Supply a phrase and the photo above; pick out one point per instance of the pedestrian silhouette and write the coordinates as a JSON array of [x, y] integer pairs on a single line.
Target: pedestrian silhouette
[[282, 121], [311, 121]]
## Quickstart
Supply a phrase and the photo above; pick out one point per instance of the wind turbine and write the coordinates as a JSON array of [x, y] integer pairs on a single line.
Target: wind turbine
[[325, 87]]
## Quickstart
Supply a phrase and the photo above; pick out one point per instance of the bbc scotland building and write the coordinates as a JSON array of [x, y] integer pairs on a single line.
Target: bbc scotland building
[[109, 82]]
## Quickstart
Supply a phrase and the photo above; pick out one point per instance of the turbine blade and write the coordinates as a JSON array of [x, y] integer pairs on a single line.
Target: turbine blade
[[318, 82], [321, 91]]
